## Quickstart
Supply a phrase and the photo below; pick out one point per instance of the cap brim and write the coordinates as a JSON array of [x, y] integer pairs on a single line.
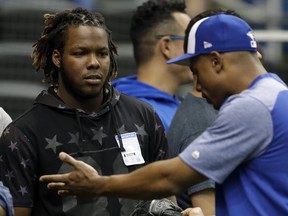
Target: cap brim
[[182, 60]]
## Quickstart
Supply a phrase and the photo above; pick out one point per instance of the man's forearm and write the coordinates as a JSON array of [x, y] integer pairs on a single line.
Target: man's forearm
[[156, 180], [153, 181]]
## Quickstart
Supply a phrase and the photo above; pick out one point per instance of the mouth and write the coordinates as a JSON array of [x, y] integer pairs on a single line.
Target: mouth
[[93, 79]]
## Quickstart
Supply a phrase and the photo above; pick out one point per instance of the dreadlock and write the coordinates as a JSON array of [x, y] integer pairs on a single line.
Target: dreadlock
[[54, 35]]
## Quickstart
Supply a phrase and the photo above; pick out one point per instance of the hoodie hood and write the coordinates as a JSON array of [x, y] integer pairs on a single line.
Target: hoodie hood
[[51, 99], [131, 86]]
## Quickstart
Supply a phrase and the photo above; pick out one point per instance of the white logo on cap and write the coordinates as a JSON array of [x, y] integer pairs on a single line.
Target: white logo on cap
[[207, 44], [253, 42]]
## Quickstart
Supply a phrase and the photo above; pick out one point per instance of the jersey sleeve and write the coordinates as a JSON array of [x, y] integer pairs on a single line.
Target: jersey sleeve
[[242, 130]]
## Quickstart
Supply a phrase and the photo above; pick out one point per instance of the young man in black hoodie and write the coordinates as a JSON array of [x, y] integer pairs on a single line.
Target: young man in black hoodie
[[80, 114]]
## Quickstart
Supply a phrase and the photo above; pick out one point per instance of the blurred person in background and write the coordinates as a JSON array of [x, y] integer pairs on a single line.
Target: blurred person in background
[[157, 33], [5, 119], [81, 114], [193, 116]]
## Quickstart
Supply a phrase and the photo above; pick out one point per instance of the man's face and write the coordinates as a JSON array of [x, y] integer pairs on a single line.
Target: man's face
[[84, 63], [209, 80]]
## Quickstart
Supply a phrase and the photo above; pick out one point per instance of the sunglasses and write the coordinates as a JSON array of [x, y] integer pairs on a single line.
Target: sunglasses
[[172, 37]]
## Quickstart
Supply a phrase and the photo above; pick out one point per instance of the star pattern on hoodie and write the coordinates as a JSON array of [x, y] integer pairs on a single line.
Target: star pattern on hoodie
[[157, 126], [10, 174], [122, 129], [13, 146], [98, 135], [161, 153], [24, 162], [6, 131], [44, 92], [52, 143], [117, 97], [23, 190], [141, 131], [74, 138]]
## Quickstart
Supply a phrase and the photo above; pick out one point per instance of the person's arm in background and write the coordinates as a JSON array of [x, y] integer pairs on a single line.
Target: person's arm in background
[[193, 212], [2, 211], [6, 202], [205, 199], [193, 116], [22, 211]]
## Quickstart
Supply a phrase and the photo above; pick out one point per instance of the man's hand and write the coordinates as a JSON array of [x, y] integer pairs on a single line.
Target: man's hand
[[77, 182], [193, 212]]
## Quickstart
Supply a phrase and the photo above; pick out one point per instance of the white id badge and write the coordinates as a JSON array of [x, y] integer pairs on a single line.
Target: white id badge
[[132, 154]]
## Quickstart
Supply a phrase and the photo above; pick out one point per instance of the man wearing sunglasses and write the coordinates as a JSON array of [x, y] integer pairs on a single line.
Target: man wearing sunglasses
[[157, 33]]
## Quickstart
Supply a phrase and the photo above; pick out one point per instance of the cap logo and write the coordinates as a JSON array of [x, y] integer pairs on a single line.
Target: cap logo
[[253, 43], [207, 45]]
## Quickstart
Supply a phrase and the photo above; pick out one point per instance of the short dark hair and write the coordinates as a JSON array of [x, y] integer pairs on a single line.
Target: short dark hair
[[149, 17], [54, 36]]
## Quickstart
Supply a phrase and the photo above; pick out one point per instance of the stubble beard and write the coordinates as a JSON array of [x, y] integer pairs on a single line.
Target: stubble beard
[[72, 87]]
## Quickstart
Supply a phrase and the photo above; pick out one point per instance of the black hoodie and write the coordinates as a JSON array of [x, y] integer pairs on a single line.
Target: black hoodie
[[30, 145]]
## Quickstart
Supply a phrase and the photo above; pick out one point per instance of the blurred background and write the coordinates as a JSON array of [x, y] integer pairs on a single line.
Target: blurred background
[[21, 23]]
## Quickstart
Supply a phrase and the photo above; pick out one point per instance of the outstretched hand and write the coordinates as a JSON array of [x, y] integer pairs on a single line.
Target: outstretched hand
[[78, 182]]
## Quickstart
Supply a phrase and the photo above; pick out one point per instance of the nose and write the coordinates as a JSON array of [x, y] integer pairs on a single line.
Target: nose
[[93, 61]]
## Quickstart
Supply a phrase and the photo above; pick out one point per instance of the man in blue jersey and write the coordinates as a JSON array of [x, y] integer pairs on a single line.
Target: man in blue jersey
[[244, 151]]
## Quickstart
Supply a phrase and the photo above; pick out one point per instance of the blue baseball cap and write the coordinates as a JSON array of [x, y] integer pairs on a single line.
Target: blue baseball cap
[[221, 33]]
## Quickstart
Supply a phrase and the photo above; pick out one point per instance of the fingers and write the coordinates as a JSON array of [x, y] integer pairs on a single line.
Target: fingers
[[65, 193], [56, 185], [54, 178], [60, 177], [193, 212], [67, 159]]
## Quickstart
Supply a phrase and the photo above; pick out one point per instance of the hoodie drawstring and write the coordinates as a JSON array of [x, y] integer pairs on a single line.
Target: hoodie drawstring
[[80, 138], [116, 125]]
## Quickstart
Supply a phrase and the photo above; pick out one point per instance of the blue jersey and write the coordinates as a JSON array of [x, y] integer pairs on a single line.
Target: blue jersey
[[245, 151]]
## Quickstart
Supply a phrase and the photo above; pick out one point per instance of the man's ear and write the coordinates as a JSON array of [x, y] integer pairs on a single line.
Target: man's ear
[[216, 61], [56, 58], [165, 47]]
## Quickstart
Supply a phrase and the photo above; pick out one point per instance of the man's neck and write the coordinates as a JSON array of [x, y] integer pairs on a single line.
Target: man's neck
[[158, 78]]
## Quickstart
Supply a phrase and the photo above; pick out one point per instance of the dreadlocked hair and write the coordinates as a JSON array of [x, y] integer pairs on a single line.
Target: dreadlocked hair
[[54, 35]]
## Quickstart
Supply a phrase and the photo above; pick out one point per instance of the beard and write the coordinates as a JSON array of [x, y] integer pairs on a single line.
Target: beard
[[73, 88]]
